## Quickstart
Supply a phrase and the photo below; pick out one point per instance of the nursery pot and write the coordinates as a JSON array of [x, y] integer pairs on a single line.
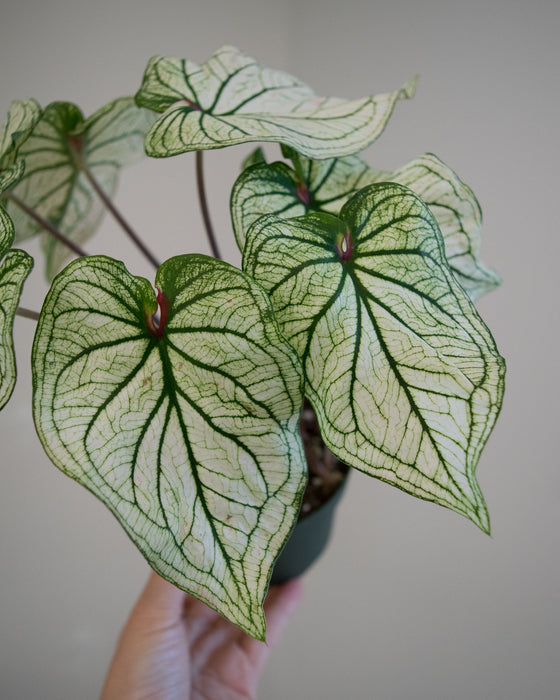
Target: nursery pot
[[327, 478], [308, 541]]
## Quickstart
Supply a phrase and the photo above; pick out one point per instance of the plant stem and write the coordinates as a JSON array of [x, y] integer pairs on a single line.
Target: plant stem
[[204, 206], [27, 313], [45, 224], [118, 217]]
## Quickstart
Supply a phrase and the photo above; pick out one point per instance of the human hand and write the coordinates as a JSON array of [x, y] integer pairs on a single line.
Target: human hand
[[173, 647]]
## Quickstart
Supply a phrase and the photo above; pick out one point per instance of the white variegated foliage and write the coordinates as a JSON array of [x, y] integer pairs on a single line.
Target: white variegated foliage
[[20, 120], [186, 430], [404, 376], [327, 184], [231, 99], [15, 266], [55, 185]]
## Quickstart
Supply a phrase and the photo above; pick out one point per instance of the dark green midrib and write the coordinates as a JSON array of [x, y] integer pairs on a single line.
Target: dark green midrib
[[174, 403], [309, 332], [358, 286], [317, 319], [284, 128], [157, 69], [305, 356], [205, 416], [152, 345], [392, 363], [187, 77], [226, 82]]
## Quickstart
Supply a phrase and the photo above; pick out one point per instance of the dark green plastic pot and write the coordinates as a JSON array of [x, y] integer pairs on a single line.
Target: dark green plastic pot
[[308, 541]]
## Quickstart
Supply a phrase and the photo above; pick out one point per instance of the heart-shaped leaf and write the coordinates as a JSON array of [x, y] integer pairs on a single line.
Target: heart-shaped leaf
[[404, 376], [14, 269], [55, 185], [231, 99], [325, 186], [186, 427], [22, 117], [314, 185]]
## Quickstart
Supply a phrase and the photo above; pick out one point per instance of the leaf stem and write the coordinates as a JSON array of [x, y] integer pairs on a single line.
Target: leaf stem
[[27, 313], [118, 216], [46, 224], [204, 206]]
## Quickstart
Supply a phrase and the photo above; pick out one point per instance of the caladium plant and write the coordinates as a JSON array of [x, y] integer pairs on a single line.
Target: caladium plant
[[179, 407]]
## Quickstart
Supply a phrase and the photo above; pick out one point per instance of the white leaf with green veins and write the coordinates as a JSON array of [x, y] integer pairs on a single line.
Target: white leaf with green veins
[[459, 217], [404, 376], [326, 185], [20, 120], [14, 269], [187, 429], [314, 185], [54, 184], [231, 99]]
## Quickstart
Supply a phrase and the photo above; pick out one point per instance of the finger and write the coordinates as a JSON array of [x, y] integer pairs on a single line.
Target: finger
[[161, 599], [162, 604], [279, 606]]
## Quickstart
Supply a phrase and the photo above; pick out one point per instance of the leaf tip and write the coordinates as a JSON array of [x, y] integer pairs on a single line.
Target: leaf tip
[[408, 90], [478, 514], [485, 523]]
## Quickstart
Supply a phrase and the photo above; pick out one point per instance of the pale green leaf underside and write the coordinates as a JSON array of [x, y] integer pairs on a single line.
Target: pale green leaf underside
[[191, 440], [54, 184], [272, 189], [231, 99], [10, 176], [14, 269], [255, 157], [20, 120], [6, 233], [403, 374]]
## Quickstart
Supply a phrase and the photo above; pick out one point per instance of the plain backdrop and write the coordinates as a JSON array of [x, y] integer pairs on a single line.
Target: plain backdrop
[[411, 601]]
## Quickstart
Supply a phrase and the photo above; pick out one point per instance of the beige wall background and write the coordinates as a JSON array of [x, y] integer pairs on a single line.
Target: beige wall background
[[411, 601]]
